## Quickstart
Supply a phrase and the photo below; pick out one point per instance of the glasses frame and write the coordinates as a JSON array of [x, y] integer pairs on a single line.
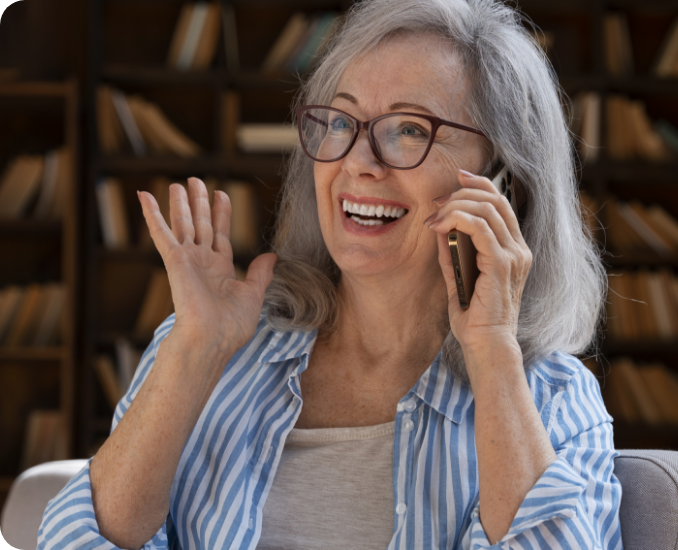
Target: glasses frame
[[368, 126]]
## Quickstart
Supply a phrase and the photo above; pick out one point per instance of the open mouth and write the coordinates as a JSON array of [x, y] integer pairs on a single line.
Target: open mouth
[[372, 214]]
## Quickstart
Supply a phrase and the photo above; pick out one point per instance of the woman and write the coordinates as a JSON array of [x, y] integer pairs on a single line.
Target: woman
[[423, 425]]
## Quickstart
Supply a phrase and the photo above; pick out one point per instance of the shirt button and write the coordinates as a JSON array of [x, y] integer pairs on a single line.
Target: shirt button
[[407, 426], [401, 508], [410, 405]]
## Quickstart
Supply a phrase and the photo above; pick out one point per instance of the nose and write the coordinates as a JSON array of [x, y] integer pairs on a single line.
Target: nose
[[362, 159]]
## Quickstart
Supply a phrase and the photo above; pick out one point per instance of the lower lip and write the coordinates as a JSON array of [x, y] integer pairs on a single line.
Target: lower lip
[[367, 230]]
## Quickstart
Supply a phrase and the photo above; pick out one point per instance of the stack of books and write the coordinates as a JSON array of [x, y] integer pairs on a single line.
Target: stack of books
[[636, 230], [36, 186], [617, 40], [666, 63], [45, 438], [131, 119], [300, 42], [195, 38], [643, 305], [32, 316], [641, 393], [115, 224]]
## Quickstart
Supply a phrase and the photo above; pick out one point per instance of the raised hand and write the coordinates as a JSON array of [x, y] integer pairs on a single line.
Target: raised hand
[[209, 302]]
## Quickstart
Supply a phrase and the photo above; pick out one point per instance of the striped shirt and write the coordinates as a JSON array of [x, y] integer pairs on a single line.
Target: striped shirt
[[230, 459]]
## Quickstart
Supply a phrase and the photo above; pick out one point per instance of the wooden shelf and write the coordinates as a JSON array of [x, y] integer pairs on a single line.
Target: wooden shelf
[[620, 261], [154, 75], [128, 255], [47, 228], [110, 337], [619, 347], [247, 165], [32, 354], [647, 173]]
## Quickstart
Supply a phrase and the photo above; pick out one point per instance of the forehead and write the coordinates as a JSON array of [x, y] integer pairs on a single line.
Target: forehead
[[414, 68]]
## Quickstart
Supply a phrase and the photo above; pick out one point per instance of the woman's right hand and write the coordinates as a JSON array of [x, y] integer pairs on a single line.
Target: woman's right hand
[[209, 302]]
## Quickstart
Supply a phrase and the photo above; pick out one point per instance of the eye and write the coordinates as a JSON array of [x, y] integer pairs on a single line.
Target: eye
[[412, 130], [340, 123]]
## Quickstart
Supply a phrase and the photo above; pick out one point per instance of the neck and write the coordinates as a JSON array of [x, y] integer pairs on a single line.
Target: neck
[[383, 326]]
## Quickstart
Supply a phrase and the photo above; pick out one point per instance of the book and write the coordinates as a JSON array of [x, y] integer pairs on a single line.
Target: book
[[666, 63], [668, 132], [302, 61], [663, 390], [618, 53], [266, 138], [660, 305], [648, 324], [112, 213], [109, 129], [105, 371], [230, 113], [668, 224], [636, 388], [128, 122], [614, 322], [634, 216], [167, 133], [244, 219], [46, 332], [179, 36], [19, 185], [10, 300], [192, 38], [285, 43], [589, 147], [618, 397], [45, 438], [157, 304], [207, 46], [25, 317]]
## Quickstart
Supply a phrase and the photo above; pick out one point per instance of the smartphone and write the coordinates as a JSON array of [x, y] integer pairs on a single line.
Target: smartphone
[[464, 252]]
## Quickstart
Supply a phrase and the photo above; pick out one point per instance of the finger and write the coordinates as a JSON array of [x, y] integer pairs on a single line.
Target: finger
[[162, 236], [499, 201], [260, 273], [199, 201], [180, 214], [483, 209], [221, 221], [484, 239]]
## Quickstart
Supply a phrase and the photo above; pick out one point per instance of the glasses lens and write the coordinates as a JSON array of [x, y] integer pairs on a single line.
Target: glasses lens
[[326, 134], [402, 139]]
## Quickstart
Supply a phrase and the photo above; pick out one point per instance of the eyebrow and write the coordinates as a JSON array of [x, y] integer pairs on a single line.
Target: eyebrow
[[393, 107]]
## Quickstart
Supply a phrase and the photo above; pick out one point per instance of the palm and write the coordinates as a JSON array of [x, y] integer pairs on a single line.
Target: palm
[[208, 299]]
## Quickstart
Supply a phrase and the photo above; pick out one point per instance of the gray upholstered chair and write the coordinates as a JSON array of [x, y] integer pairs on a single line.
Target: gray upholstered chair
[[649, 509]]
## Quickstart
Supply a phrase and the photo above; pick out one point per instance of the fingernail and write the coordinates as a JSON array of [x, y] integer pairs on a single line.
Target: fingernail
[[442, 198], [139, 194], [428, 220], [467, 174]]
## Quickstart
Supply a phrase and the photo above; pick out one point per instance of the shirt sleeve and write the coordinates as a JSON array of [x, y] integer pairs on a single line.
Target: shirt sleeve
[[69, 521], [575, 503]]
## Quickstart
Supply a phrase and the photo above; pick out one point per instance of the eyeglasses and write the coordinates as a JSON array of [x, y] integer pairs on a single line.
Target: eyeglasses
[[398, 140]]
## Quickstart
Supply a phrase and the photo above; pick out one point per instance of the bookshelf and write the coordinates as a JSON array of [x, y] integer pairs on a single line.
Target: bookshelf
[[129, 41], [129, 45], [38, 116]]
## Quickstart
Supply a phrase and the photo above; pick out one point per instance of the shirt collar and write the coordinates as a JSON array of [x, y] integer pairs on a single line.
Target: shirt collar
[[437, 386]]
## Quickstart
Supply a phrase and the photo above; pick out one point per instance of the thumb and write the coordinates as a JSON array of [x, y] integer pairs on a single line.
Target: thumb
[[260, 272], [445, 261]]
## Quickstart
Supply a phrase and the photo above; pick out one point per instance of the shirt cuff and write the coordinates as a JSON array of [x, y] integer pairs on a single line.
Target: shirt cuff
[[69, 520], [555, 495]]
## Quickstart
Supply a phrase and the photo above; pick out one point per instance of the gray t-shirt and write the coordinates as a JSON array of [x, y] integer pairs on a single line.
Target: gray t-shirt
[[333, 490]]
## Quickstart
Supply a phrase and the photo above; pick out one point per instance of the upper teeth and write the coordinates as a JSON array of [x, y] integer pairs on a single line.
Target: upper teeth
[[373, 210]]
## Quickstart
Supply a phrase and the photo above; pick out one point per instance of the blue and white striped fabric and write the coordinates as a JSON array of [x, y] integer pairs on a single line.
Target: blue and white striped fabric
[[230, 459]]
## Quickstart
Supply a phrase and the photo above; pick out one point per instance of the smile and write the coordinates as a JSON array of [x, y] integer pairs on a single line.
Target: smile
[[372, 214]]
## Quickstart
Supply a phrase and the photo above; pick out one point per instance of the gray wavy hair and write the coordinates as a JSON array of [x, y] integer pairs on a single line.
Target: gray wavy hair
[[515, 99]]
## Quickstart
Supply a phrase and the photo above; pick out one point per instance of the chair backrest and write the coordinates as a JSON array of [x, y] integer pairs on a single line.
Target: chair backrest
[[649, 506], [28, 497]]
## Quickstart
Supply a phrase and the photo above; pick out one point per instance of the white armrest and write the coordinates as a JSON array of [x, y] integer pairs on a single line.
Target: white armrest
[[28, 498]]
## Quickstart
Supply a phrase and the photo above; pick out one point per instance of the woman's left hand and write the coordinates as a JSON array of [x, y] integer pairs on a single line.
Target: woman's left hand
[[504, 260]]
